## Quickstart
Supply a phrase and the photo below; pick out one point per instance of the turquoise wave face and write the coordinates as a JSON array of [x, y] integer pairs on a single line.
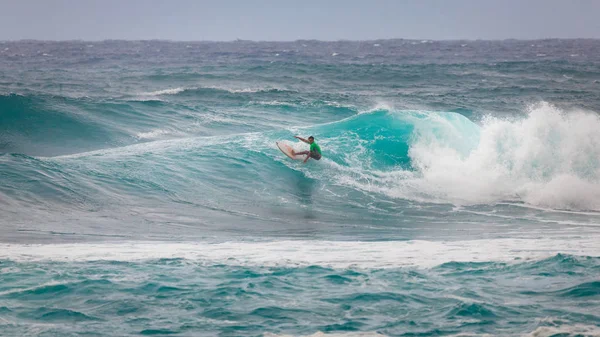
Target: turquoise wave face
[[178, 169], [47, 125], [39, 125], [381, 166], [382, 138], [237, 178]]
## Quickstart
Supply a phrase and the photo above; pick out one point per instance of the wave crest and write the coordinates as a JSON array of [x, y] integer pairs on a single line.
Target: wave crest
[[549, 158], [231, 90]]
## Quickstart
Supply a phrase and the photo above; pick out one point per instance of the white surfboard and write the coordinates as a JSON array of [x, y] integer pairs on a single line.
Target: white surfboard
[[288, 150]]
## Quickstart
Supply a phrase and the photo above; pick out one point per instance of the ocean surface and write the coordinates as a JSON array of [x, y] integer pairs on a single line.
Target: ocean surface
[[141, 191]]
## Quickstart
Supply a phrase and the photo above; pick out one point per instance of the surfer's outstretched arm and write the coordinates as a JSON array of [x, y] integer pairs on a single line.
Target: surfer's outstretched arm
[[302, 139]]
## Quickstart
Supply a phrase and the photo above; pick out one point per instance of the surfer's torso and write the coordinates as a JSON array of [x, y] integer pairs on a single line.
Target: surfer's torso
[[315, 151], [315, 148]]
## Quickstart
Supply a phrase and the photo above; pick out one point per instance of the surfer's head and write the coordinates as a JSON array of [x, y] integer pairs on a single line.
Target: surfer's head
[[311, 139]]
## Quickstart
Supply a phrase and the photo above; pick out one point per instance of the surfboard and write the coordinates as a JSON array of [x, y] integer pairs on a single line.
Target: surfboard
[[287, 150]]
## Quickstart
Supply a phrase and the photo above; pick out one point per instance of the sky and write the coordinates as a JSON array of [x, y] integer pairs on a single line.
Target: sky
[[286, 20]]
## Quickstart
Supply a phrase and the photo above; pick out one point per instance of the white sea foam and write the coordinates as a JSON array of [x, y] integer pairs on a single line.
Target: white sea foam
[[335, 254], [152, 134], [172, 91], [332, 334], [565, 330], [246, 90], [146, 99], [238, 90], [242, 90], [338, 105], [550, 159], [272, 103]]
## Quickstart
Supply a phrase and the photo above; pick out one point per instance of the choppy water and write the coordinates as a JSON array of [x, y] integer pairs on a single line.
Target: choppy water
[[141, 191]]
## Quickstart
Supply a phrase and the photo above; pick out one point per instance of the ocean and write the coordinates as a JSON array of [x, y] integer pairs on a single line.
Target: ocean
[[142, 193]]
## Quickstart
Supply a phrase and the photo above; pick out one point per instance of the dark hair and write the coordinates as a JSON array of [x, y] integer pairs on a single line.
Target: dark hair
[[309, 137]]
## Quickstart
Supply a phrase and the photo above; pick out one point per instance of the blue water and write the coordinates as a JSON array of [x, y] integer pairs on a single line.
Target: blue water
[[141, 191]]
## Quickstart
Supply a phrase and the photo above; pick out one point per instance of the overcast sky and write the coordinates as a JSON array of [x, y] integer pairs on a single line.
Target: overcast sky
[[291, 20]]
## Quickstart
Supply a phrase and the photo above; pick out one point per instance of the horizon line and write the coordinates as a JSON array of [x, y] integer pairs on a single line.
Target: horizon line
[[297, 40]]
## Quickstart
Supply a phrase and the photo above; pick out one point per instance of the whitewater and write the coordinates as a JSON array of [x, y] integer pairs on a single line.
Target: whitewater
[[142, 193]]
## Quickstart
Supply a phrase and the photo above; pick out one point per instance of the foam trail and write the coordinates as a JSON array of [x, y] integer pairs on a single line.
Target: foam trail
[[335, 254]]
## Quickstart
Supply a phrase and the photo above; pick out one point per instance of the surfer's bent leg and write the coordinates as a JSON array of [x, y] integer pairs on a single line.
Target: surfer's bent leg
[[300, 153]]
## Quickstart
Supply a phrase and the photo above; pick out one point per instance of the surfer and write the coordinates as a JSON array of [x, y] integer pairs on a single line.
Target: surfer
[[314, 152]]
